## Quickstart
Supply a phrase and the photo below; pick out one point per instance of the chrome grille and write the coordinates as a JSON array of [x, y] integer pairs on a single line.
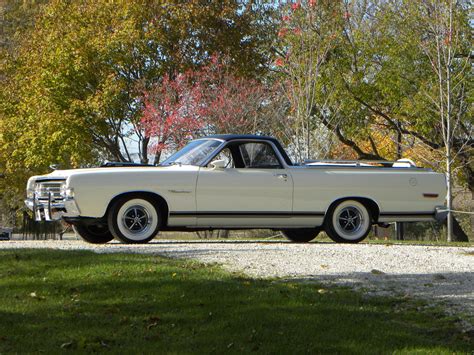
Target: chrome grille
[[43, 189]]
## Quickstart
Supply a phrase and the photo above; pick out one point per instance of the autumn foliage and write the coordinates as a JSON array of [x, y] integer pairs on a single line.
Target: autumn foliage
[[205, 101]]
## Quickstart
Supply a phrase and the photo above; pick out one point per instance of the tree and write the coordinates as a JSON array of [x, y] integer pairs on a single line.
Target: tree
[[379, 92], [445, 45], [172, 112], [71, 95], [410, 79], [206, 101], [232, 103], [308, 35]]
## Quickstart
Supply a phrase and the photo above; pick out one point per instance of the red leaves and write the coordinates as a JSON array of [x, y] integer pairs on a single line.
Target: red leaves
[[279, 62], [347, 15], [171, 110], [211, 99], [311, 3], [295, 6], [231, 103]]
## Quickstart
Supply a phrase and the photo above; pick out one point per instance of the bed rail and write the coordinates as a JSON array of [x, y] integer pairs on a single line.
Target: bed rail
[[401, 163]]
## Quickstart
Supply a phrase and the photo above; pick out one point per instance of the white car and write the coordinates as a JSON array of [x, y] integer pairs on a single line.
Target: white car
[[237, 182]]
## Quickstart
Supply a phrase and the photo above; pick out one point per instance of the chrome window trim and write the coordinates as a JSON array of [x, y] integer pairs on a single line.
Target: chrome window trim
[[283, 164], [330, 167]]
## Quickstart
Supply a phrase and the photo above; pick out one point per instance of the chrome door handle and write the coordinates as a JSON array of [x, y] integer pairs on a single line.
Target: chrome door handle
[[282, 176]]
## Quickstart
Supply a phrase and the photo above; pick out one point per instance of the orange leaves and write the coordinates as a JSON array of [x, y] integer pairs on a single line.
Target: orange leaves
[[282, 32], [279, 62]]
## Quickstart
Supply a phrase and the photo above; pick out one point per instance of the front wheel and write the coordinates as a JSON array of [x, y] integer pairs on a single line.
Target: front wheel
[[348, 222], [134, 219], [302, 235], [95, 233]]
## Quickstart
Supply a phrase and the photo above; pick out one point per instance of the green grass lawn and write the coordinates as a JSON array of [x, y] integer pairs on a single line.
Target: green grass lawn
[[71, 301]]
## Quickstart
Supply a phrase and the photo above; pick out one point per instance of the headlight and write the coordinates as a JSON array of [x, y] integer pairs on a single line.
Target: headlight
[[67, 192]]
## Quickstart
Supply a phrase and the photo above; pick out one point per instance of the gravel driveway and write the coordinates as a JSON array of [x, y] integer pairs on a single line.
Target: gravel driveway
[[441, 274]]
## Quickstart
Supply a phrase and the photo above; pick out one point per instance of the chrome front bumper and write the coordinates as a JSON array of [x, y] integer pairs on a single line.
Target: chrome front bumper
[[52, 210]]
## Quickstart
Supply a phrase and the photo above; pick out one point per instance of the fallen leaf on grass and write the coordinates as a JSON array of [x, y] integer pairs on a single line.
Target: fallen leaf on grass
[[67, 345], [151, 325], [104, 344], [322, 291], [35, 296], [377, 272], [152, 322]]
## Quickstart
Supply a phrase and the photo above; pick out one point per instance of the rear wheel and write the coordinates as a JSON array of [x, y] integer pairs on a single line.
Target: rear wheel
[[348, 222], [95, 233], [134, 219], [302, 235]]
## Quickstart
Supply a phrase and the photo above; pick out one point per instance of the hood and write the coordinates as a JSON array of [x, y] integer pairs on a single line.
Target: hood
[[121, 170], [65, 174]]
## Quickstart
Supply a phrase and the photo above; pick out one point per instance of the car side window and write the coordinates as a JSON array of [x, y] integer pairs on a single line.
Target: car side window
[[226, 155], [259, 155]]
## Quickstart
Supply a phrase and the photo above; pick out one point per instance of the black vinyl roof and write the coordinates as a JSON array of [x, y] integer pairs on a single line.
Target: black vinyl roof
[[231, 137]]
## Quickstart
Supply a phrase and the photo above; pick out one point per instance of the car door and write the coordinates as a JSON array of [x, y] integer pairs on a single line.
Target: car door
[[253, 190]]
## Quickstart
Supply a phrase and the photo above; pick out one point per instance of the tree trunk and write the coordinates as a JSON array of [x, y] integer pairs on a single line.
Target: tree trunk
[[157, 157], [458, 234], [399, 141], [144, 150], [449, 199]]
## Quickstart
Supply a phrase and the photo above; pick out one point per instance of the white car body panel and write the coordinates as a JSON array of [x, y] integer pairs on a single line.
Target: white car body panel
[[238, 197], [393, 189], [95, 188]]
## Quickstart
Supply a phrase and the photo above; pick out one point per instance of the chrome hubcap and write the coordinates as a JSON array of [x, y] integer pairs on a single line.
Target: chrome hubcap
[[136, 219], [350, 220]]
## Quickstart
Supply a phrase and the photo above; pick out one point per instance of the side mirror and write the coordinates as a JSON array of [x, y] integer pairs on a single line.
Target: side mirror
[[218, 164]]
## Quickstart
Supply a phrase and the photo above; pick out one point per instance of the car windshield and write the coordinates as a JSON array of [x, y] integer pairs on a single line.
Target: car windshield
[[194, 153]]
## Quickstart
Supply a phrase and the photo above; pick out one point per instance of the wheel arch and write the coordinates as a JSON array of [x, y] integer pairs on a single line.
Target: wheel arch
[[162, 203], [368, 202]]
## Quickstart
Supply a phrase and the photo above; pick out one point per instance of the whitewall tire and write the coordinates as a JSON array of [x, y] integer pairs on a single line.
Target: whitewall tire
[[348, 222], [134, 219]]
